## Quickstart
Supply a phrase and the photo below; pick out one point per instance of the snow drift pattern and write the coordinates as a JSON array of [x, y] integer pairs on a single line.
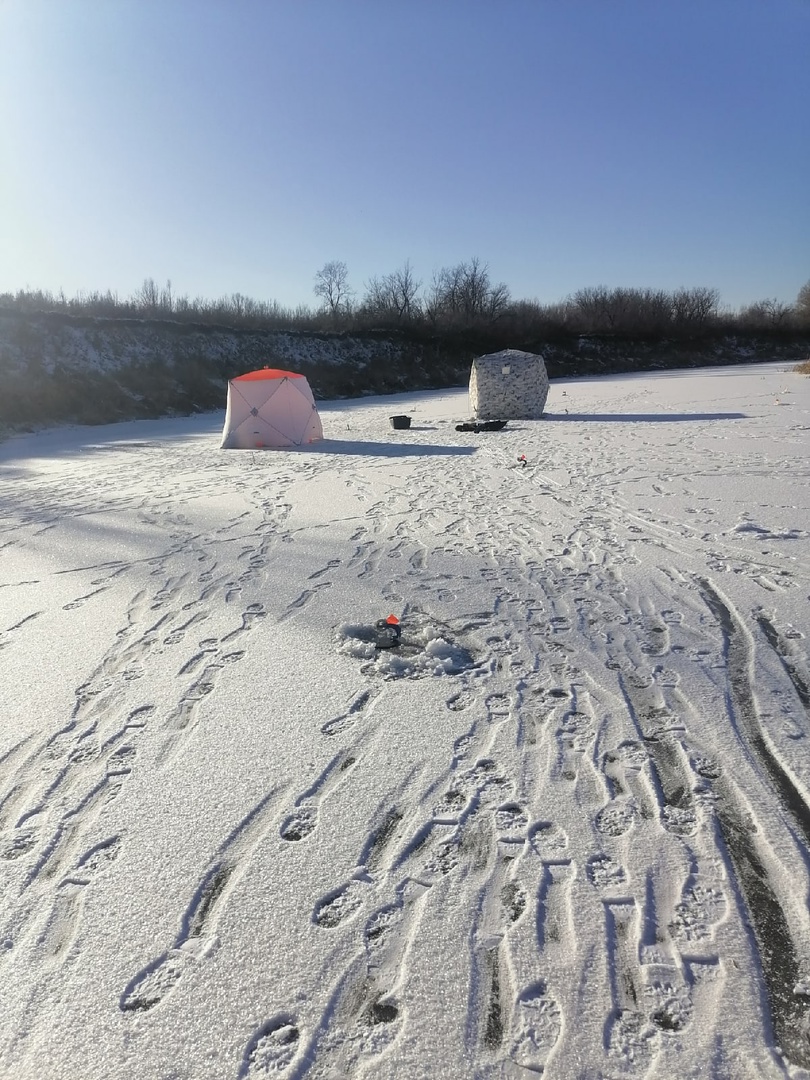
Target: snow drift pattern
[[508, 385], [270, 408]]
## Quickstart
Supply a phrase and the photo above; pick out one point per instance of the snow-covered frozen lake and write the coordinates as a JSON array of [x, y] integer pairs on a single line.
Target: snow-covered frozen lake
[[563, 830]]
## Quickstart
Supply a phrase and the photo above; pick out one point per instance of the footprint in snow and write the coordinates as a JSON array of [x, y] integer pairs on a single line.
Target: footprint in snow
[[548, 840], [83, 753], [299, 824], [462, 700], [272, 1049], [708, 768], [511, 818], [667, 677], [616, 818], [679, 820], [98, 859], [151, 986], [640, 680], [121, 760], [443, 861], [341, 905], [702, 908], [449, 806], [537, 1027], [634, 1039], [603, 872], [379, 927], [513, 900], [668, 1004], [497, 706], [22, 841]]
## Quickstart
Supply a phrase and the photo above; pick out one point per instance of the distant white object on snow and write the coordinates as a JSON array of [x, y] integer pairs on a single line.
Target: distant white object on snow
[[270, 409], [508, 385]]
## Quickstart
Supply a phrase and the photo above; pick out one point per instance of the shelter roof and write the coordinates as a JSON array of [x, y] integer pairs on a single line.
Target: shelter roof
[[268, 373]]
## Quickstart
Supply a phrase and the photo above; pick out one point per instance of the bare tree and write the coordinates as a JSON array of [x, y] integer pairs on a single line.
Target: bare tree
[[694, 308], [599, 309], [332, 287], [531, 319], [393, 297], [463, 294], [641, 311], [474, 289], [802, 305], [444, 299], [153, 300], [769, 314], [654, 311], [147, 298], [166, 299], [593, 308], [405, 291], [498, 301], [375, 302]]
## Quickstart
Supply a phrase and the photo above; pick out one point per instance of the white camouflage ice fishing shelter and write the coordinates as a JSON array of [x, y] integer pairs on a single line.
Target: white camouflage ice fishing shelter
[[270, 408], [508, 385]]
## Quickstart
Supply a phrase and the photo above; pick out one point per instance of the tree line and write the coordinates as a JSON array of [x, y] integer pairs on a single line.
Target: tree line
[[458, 298]]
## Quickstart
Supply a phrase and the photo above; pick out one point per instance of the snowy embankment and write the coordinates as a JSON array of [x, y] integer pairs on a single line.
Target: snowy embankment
[[564, 829]]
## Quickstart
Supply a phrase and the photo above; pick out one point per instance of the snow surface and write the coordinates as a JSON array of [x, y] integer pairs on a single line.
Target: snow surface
[[562, 830]]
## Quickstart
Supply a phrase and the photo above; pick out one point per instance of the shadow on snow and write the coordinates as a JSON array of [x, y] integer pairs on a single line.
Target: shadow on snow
[[381, 449], [666, 418]]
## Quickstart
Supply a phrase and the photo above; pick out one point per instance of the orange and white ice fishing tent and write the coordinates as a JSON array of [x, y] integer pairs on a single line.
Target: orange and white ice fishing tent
[[270, 409]]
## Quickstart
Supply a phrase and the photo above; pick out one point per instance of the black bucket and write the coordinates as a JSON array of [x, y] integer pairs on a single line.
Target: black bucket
[[400, 422]]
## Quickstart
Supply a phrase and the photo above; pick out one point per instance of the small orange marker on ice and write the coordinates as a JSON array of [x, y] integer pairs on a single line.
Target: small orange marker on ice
[[388, 632]]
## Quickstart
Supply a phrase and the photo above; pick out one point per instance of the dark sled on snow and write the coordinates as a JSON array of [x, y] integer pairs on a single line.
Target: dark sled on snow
[[485, 425]]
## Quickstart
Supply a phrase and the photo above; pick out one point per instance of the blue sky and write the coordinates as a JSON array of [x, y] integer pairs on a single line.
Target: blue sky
[[238, 145]]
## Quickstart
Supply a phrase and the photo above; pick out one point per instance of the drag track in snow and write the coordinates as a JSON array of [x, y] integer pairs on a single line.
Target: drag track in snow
[[564, 830]]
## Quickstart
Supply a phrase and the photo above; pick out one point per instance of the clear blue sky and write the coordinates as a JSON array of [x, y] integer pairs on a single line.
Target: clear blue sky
[[238, 145]]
